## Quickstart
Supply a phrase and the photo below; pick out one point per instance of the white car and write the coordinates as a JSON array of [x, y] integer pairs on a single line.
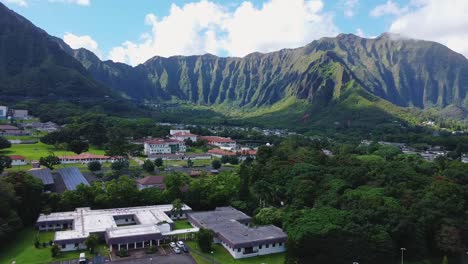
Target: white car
[[180, 244], [172, 244], [177, 250]]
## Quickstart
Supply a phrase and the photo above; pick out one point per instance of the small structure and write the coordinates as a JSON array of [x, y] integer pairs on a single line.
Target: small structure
[[151, 182], [45, 175], [182, 136], [8, 130], [231, 228], [3, 112], [20, 114], [164, 146], [85, 158], [221, 142], [72, 177], [129, 228], [17, 160], [464, 158], [35, 164]]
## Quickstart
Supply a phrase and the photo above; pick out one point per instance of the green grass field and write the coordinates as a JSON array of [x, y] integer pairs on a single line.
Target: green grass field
[[222, 256], [182, 224], [35, 151], [21, 249], [182, 163]]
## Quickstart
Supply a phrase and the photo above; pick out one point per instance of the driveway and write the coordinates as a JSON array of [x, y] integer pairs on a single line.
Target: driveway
[[170, 259]]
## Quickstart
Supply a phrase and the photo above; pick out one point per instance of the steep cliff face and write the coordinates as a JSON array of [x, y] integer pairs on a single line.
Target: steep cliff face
[[33, 65], [403, 71]]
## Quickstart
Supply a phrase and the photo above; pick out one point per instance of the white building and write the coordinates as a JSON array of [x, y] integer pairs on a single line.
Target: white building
[[85, 158], [182, 136], [221, 142], [175, 131], [129, 228], [232, 230], [3, 112], [464, 158], [20, 114], [164, 146], [17, 160]]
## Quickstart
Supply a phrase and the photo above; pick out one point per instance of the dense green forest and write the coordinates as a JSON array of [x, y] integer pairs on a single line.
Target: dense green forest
[[362, 204]]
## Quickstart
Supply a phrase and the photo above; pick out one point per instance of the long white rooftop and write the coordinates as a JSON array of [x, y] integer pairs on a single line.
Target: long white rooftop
[[85, 221]]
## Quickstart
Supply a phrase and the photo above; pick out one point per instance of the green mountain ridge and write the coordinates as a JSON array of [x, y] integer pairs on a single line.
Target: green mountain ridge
[[33, 65], [405, 72]]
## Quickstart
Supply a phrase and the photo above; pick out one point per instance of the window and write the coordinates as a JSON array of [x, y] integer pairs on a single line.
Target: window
[[238, 250], [76, 245], [267, 245], [274, 244], [280, 244], [260, 247], [63, 246], [50, 225]]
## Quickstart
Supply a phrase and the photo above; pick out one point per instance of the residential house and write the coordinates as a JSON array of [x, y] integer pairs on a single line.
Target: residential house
[[17, 160], [232, 229], [182, 136], [8, 130], [221, 142], [242, 154], [151, 182], [164, 146]]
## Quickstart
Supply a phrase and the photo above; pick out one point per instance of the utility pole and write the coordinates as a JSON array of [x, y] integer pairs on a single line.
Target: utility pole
[[402, 254]]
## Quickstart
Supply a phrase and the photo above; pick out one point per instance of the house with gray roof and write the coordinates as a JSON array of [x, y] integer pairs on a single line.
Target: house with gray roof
[[232, 229], [45, 175]]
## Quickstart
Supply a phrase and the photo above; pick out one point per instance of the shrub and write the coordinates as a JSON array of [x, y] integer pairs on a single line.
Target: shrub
[[94, 166], [55, 250], [205, 239], [123, 253]]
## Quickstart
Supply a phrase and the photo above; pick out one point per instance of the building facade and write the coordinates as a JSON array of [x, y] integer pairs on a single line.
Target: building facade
[[3, 112], [164, 146], [85, 158], [129, 228]]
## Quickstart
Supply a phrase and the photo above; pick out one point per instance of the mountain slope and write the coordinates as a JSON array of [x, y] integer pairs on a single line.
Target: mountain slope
[[405, 72], [33, 65]]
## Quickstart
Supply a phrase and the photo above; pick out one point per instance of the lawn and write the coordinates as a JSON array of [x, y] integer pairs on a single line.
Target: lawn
[[182, 163], [22, 249], [182, 224], [35, 151], [222, 256]]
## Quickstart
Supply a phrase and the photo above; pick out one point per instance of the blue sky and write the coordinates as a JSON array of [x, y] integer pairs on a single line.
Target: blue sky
[[200, 26]]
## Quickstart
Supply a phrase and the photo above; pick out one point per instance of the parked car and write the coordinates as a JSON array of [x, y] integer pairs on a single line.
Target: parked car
[[172, 244], [82, 259], [180, 243], [177, 250], [185, 249]]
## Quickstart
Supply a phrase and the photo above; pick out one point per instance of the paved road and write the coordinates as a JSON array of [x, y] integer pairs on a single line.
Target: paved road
[[170, 259]]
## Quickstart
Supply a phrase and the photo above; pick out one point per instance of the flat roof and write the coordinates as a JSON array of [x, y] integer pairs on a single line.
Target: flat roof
[[85, 221], [231, 226]]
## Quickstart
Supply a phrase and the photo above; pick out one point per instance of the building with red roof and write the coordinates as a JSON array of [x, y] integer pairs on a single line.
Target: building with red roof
[[17, 160], [85, 158], [183, 135], [151, 182], [221, 142]]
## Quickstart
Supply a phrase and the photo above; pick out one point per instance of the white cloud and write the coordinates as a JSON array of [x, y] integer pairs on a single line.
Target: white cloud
[[78, 2], [17, 2], [349, 7], [360, 33], [86, 42], [436, 20], [204, 26], [389, 8]]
